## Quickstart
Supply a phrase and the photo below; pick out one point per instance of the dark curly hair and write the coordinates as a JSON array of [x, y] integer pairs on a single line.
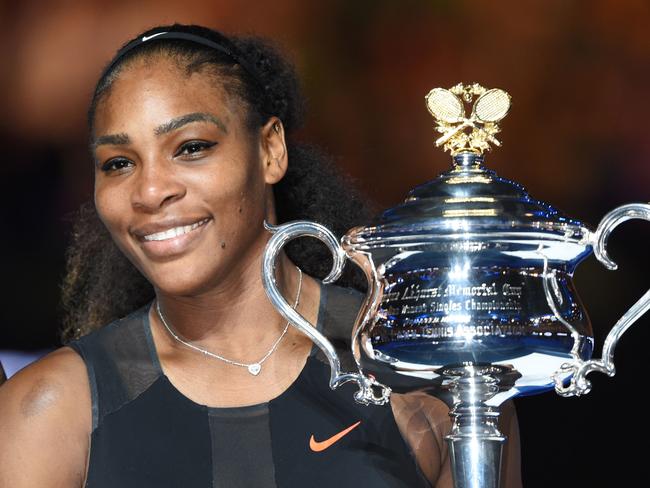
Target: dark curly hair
[[101, 285]]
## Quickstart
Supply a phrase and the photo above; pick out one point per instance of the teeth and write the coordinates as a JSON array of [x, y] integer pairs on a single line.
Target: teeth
[[174, 232]]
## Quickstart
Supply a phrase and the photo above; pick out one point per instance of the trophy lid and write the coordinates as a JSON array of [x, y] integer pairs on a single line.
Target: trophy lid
[[468, 201]]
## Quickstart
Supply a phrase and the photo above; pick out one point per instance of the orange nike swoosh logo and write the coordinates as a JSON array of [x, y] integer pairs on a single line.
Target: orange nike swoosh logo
[[316, 446]]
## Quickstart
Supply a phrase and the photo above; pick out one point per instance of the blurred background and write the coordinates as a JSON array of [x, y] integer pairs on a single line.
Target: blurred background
[[577, 137]]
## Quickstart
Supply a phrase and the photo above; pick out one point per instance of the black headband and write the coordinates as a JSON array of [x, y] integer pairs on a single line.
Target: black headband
[[225, 47]]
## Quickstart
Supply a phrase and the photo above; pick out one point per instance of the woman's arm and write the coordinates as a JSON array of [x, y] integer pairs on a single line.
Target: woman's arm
[[45, 421], [511, 461], [424, 422]]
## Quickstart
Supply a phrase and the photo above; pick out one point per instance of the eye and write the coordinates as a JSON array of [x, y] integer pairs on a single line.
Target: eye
[[194, 148], [115, 164]]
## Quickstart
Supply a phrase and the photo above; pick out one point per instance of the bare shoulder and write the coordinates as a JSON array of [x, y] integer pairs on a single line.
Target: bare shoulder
[[44, 387], [45, 410]]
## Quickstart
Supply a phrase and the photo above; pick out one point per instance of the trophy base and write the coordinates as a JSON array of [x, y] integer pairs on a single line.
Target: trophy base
[[475, 443]]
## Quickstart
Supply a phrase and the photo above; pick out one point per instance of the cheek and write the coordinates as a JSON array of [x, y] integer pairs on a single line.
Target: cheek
[[109, 203], [235, 197]]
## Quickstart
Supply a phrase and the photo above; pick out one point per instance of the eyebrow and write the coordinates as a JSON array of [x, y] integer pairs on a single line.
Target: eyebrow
[[179, 122], [123, 139], [112, 139]]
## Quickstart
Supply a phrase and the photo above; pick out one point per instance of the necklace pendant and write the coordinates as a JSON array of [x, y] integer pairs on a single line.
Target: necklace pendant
[[254, 368]]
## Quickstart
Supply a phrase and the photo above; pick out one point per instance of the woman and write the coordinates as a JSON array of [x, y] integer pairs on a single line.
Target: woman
[[204, 384]]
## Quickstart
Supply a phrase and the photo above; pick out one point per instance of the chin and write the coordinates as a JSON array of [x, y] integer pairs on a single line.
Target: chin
[[182, 277], [184, 285], [205, 268]]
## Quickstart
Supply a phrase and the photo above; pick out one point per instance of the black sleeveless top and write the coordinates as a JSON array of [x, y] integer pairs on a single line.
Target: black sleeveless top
[[148, 434]]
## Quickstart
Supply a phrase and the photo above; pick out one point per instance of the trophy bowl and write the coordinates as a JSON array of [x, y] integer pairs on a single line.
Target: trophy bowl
[[470, 290]]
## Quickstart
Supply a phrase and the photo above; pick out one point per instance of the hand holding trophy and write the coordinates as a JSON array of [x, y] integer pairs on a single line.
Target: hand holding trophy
[[470, 290]]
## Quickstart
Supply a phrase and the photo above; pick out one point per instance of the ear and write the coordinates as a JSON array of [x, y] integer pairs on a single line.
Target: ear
[[273, 151]]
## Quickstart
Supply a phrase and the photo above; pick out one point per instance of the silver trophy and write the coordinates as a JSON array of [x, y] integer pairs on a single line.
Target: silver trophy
[[470, 291]]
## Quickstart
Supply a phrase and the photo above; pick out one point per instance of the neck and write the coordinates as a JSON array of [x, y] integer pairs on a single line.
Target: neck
[[234, 318]]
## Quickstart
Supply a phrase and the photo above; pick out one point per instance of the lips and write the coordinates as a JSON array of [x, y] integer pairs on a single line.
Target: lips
[[174, 231], [171, 237]]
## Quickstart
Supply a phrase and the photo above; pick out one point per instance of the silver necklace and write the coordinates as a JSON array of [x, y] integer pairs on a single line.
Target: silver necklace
[[253, 368]]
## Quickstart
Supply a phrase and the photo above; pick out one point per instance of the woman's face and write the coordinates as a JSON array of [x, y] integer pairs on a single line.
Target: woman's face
[[181, 183]]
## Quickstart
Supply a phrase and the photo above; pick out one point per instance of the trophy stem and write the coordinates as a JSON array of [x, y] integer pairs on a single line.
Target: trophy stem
[[475, 443]]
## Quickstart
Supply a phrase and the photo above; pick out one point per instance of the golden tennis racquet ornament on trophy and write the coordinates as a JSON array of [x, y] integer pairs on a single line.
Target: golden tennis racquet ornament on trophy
[[470, 290]]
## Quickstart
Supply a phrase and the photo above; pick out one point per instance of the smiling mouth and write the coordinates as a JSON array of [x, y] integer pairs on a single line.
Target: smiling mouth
[[175, 231]]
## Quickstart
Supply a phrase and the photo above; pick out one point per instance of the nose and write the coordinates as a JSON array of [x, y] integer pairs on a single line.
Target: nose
[[156, 185]]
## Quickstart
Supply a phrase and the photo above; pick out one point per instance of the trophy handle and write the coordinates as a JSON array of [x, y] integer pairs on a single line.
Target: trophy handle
[[370, 391], [580, 385]]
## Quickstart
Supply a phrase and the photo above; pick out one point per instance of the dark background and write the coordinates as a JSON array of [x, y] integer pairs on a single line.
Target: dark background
[[577, 137]]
